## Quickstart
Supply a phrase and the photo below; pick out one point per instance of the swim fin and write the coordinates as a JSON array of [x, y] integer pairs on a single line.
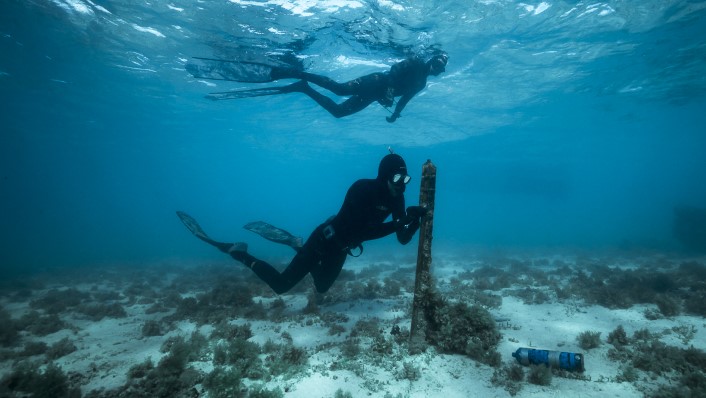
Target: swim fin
[[196, 229], [275, 234], [261, 228], [238, 71], [299, 86], [192, 225], [249, 93]]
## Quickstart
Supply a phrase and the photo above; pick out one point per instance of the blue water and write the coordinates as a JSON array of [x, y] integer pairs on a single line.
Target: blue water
[[556, 124]]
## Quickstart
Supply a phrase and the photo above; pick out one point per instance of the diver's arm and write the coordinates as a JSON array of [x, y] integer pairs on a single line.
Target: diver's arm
[[405, 227], [400, 106], [354, 213], [408, 78], [406, 222], [408, 225], [380, 230], [377, 230]]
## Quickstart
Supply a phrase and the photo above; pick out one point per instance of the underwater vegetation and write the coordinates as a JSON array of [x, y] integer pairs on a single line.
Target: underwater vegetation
[[234, 359], [227, 308], [151, 328], [226, 383], [29, 378], [365, 285], [225, 301], [172, 377], [93, 306], [673, 287], [540, 375], [461, 329], [96, 312], [618, 337], [8, 329], [57, 301], [510, 377], [59, 349], [683, 368], [589, 339], [40, 325], [675, 290]]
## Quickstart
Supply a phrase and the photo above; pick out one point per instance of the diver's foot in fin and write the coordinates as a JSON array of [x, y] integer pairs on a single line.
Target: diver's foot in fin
[[230, 248], [237, 247], [301, 86], [239, 251]]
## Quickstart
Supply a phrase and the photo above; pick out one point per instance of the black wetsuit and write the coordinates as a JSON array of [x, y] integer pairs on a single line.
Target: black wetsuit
[[362, 217], [405, 79]]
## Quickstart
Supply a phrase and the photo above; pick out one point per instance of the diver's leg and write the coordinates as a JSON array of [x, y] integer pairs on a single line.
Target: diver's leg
[[325, 102], [285, 73], [342, 89], [222, 246], [350, 106], [353, 105], [282, 282], [278, 282], [366, 85], [329, 269]]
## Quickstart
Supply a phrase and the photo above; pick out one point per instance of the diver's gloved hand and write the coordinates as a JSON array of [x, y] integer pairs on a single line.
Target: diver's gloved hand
[[412, 219], [417, 211], [405, 222], [393, 117]]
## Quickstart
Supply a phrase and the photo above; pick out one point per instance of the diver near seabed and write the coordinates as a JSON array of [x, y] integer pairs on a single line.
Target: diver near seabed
[[367, 205], [404, 79]]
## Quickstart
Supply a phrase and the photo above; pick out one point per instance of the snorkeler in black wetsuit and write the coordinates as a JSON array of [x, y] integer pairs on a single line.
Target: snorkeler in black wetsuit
[[362, 217], [405, 79]]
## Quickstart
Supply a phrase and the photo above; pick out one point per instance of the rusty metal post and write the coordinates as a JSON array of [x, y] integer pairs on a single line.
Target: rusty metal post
[[423, 280]]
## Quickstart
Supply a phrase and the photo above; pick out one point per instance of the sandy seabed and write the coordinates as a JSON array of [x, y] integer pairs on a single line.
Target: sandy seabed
[[109, 329]]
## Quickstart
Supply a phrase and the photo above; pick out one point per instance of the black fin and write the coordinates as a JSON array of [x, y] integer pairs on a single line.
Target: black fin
[[237, 71], [255, 92], [192, 225], [275, 234]]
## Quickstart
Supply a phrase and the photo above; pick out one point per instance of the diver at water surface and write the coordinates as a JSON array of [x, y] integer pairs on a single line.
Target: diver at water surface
[[404, 79], [368, 203]]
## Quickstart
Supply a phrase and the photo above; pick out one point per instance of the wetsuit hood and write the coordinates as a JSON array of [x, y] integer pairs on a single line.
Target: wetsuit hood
[[390, 165], [437, 64]]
